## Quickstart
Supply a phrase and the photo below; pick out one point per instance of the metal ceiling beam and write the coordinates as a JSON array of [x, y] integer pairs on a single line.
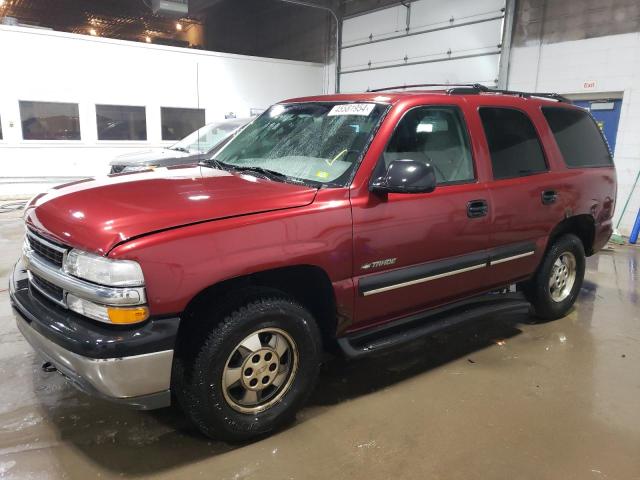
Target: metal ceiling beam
[[338, 32], [377, 8], [507, 40]]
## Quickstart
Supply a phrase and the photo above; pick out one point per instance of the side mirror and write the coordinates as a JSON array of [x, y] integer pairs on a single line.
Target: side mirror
[[406, 176]]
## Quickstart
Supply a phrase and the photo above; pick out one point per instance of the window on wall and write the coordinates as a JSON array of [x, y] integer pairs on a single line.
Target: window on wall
[[434, 135], [578, 137], [49, 121], [118, 122], [513, 143], [177, 123]]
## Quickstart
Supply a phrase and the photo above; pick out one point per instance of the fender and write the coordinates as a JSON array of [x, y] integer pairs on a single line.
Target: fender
[[180, 263]]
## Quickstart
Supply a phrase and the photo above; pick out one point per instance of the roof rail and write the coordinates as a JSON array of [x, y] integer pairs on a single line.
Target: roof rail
[[552, 96], [475, 88], [450, 86]]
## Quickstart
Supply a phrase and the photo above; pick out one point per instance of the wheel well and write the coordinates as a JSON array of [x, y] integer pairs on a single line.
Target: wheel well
[[308, 284], [583, 226]]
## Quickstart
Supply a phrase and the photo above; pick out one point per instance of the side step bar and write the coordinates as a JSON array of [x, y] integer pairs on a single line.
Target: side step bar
[[405, 330]]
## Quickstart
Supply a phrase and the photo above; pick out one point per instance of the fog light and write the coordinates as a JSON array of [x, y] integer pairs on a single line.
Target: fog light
[[116, 315]]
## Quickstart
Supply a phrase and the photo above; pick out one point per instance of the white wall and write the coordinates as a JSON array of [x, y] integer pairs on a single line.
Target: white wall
[[467, 53], [613, 63], [44, 65]]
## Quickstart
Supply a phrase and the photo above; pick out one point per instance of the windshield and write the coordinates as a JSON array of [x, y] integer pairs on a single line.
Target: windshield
[[315, 142], [205, 138]]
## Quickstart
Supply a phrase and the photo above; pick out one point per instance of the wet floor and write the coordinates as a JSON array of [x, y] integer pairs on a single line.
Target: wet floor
[[500, 399]]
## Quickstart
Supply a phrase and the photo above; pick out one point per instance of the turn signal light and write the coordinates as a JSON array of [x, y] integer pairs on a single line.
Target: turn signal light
[[122, 316]]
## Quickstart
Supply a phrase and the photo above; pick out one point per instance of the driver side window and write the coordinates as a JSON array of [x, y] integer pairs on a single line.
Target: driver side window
[[434, 135]]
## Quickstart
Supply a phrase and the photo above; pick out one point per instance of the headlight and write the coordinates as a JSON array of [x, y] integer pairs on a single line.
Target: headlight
[[104, 271], [106, 314], [137, 168]]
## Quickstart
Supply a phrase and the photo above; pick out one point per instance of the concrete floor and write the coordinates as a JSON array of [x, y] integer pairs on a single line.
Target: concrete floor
[[501, 399]]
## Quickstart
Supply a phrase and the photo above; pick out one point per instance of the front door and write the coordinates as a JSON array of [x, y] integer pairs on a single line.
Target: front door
[[416, 251]]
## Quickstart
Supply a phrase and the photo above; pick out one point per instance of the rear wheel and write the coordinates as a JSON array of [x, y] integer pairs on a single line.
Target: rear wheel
[[253, 371], [554, 288]]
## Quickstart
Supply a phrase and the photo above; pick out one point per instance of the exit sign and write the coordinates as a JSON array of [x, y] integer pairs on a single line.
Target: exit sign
[[589, 85]]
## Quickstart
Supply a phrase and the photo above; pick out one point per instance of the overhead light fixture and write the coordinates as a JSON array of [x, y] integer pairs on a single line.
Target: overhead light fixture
[[178, 26], [147, 39], [93, 32]]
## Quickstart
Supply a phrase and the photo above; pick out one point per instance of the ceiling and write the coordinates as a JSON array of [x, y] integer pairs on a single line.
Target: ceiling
[[123, 19], [134, 20]]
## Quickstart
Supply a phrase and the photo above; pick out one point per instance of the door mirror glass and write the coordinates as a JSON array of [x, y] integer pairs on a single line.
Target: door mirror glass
[[406, 176]]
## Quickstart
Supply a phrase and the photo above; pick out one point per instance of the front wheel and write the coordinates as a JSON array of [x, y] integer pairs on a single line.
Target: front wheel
[[554, 288], [254, 371]]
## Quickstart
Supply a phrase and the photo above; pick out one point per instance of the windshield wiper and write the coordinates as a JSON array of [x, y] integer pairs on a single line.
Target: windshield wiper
[[214, 163], [271, 174], [180, 149]]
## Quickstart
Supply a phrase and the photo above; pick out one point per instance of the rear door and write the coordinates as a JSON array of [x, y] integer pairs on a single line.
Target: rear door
[[415, 251], [524, 193]]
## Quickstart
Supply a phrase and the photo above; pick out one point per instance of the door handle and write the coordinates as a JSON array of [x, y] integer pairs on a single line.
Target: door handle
[[549, 197], [477, 208]]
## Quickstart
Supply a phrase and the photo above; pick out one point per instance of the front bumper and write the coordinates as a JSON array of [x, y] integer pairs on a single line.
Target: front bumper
[[125, 365]]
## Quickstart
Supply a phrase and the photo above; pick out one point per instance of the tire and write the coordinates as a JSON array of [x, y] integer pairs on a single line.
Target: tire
[[215, 388], [555, 286]]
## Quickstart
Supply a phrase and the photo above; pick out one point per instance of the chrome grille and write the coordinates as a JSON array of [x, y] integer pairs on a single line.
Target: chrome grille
[[49, 251], [48, 289]]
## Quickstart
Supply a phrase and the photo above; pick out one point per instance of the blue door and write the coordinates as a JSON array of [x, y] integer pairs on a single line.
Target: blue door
[[607, 114]]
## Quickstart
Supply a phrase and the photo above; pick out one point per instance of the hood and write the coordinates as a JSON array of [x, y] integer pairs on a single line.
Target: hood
[[98, 213], [151, 156]]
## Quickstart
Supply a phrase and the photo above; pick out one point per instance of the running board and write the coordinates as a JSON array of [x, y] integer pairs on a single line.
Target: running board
[[410, 328]]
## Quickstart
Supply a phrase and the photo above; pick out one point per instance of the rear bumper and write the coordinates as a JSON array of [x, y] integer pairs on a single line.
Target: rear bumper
[[130, 366]]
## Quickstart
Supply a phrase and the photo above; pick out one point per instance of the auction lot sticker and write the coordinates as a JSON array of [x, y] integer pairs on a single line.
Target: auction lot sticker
[[363, 109]]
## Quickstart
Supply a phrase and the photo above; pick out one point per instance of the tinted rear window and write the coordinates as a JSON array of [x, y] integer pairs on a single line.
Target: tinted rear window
[[578, 137], [513, 143]]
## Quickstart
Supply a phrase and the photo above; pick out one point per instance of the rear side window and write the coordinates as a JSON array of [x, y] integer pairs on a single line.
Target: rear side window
[[513, 143], [578, 137]]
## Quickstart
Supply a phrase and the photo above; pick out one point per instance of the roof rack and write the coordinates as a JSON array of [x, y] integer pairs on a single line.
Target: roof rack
[[552, 96], [476, 88]]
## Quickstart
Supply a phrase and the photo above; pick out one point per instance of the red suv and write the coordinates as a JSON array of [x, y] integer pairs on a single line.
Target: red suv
[[361, 221]]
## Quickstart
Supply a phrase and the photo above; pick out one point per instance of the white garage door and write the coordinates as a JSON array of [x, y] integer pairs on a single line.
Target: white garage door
[[426, 41]]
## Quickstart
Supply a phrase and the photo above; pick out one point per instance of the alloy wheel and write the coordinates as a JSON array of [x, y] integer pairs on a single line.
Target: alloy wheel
[[563, 277], [260, 370]]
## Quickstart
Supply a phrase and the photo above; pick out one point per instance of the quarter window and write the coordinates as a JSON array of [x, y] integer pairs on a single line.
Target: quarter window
[[513, 143], [578, 137], [434, 135], [117, 122], [49, 121], [177, 123], [1, 128]]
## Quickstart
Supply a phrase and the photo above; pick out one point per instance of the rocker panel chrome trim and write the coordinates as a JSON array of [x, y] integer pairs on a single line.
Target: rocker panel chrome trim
[[508, 259], [423, 279]]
